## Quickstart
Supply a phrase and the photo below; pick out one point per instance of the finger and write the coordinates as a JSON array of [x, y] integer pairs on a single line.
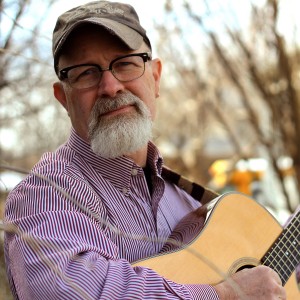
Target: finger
[[282, 295], [273, 273], [277, 278]]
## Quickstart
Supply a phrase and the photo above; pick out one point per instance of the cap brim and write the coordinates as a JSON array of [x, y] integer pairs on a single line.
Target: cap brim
[[129, 36]]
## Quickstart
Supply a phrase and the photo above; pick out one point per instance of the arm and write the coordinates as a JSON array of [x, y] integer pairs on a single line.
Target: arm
[[66, 255], [47, 263], [69, 266]]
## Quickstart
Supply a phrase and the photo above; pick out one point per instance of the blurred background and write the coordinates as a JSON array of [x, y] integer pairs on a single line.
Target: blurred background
[[229, 110]]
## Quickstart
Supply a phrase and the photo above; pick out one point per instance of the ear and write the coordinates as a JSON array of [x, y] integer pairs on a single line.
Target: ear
[[156, 71], [60, 95]]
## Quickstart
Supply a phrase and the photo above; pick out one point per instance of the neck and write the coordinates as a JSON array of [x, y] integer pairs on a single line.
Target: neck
[[283, 256], [139, 156]]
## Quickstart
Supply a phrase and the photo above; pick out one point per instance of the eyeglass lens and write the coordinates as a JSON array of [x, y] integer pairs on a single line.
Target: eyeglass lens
[[123, 69]]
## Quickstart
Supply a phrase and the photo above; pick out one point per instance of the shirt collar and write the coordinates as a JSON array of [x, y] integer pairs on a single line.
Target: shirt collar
[[122, 163]]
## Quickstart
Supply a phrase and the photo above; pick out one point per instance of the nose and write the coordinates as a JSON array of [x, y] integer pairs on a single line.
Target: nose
[[109, 85]]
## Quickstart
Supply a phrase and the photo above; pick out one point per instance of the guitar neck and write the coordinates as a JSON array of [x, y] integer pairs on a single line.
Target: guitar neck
[[284, 255]]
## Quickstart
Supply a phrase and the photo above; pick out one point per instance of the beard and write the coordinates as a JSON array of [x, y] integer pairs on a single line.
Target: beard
[[114, 136]]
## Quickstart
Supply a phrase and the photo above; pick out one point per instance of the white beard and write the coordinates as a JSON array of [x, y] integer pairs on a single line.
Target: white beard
[[122, 134]]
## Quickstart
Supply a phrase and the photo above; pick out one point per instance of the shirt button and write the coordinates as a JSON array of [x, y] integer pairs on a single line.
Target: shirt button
[[124, 190], [134, 172]]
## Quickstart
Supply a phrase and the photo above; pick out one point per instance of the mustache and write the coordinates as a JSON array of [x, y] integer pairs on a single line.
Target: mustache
[[106, 104]]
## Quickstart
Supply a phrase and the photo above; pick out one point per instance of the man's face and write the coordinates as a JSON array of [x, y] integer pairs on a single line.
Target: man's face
[[96, 46]]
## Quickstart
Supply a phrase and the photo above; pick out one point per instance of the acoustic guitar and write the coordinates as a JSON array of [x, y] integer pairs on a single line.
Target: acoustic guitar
[[228, 234]]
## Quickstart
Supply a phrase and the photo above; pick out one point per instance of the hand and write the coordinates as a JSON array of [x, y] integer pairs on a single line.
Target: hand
[[258, 283]]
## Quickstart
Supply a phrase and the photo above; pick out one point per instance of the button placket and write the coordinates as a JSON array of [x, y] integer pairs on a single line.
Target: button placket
[[134, 172], [124, 190]]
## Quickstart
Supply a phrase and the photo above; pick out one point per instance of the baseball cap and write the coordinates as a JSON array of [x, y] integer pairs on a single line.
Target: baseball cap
[[118, 18]]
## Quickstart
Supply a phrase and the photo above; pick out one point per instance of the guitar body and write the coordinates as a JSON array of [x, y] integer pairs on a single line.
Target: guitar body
[[237, 234]]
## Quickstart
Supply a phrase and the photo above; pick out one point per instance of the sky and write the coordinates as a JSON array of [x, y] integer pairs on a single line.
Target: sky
[[153, 9], [220, 12]]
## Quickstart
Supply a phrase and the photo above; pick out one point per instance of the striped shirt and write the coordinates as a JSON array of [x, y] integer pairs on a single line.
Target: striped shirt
[[82, 220]]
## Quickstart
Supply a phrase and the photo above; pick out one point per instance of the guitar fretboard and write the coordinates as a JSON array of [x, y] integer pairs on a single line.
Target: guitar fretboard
[[284, 255]]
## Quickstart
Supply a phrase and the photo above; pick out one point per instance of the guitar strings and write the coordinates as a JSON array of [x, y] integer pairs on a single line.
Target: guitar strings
[[276, 255]]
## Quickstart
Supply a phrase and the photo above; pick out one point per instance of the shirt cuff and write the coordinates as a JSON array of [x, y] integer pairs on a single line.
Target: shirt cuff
[[202, 292]]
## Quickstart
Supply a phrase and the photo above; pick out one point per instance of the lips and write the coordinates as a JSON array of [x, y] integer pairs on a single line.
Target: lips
[[118, 110]]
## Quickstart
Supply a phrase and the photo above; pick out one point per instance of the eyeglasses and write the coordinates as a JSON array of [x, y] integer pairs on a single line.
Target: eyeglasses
[[124, 68]]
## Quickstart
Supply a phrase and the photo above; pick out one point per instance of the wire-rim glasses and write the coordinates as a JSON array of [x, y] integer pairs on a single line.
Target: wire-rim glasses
[[124, 68]]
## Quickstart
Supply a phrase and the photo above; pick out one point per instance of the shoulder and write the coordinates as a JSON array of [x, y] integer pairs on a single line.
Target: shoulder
[[52, 184], [56, 167]]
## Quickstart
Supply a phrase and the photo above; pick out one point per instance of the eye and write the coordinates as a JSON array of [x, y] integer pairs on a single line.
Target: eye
[[91, 71], [83, 73], [124, 64], [128, 63]]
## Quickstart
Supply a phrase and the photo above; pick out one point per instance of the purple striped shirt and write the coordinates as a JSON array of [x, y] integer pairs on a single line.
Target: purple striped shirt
[[83, 220]]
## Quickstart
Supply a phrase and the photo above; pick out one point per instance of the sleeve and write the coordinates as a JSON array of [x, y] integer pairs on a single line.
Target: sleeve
[[64, 254]]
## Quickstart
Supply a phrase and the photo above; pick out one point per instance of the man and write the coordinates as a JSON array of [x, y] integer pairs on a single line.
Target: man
[[99, 203]]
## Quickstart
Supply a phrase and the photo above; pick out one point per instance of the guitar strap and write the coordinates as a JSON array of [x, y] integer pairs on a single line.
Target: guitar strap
[[197, 191]]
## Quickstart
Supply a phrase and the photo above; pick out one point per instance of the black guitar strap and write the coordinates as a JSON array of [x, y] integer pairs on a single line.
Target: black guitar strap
[[197, 191]]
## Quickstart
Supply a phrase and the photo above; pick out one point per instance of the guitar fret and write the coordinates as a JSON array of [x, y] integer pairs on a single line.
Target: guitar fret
[[284, 254], [282, 251], [284, 265]]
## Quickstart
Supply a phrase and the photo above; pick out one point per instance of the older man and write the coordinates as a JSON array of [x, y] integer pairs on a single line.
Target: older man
[[100, 202]]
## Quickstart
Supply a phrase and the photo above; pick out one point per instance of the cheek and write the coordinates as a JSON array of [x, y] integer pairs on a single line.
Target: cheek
[[147, 93], [152, 109], [151, 102], [80, 109]]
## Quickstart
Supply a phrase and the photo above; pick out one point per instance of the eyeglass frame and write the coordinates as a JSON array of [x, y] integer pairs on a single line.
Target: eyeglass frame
[[146, 56]]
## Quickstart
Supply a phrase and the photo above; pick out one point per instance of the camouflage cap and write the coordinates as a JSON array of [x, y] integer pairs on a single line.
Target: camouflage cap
[[118, 18]]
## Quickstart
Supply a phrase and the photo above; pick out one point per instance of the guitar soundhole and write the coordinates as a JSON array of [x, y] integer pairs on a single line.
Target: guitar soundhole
[[243, 263], [245, 267]]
